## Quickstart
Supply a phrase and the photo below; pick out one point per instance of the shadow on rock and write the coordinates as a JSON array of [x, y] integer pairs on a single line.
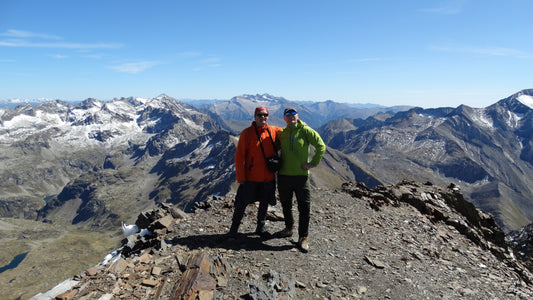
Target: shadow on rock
[[248, 242]]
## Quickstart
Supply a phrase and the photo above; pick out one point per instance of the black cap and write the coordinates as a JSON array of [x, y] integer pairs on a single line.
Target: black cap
[[289, 110]]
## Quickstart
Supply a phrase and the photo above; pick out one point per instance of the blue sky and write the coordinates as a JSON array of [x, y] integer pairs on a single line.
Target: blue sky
[[413, 52]]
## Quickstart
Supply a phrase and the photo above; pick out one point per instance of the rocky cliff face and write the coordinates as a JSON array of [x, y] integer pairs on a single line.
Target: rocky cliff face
[[405, 241], [522, 242]]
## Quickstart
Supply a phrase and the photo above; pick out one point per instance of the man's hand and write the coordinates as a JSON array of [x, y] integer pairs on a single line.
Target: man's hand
[[306, 166]]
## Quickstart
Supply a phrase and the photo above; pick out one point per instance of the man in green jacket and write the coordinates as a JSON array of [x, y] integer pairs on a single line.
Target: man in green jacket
[[293, 177]]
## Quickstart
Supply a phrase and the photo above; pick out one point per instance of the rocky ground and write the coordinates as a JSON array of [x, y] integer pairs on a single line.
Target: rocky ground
[[407, 241]]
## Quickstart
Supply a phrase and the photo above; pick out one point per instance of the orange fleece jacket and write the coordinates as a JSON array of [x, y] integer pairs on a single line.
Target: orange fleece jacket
[[250, 163]]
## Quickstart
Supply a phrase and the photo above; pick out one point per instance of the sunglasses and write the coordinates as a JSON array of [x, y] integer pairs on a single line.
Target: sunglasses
[[262, 115], [290, 113]]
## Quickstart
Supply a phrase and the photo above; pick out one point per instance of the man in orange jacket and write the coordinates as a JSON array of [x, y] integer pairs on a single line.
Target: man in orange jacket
[[256, 181]]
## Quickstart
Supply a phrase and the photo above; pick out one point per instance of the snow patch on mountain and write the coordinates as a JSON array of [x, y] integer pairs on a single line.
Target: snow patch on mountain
[[120, 107], [95, 123], [23, 125], [479, 116], [514, 119], [190, 123], [526, 100]]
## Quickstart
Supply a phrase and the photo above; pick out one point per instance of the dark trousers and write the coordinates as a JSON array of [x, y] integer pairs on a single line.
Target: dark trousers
[[299, 186], [249, 192]]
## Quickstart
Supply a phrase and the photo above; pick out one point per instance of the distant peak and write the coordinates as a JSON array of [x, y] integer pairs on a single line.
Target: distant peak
[[520, 102], [258, 97], [163, 96]]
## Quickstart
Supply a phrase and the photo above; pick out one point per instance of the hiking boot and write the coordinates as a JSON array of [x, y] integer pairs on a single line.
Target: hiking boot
[[285, 233], [262, 232], [303, 243]]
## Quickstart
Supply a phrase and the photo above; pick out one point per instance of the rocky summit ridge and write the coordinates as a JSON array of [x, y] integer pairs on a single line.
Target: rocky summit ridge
[[406, 241]]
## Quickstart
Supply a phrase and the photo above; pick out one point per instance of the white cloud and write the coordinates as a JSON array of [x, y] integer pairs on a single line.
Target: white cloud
[[59, 56], [26, 34], [200, 60], [26, 39], [134, 67], [497, 51], [61, 45], [490, 50], [211, 62]]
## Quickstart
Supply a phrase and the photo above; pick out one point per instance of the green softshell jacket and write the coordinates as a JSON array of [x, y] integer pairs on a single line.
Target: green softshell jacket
[[294, 141]]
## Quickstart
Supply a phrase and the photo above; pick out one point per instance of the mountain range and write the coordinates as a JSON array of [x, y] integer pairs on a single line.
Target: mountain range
[[145, 151], [95, 164], [98, 163], [95, 155], [236, 114], [487, 151]]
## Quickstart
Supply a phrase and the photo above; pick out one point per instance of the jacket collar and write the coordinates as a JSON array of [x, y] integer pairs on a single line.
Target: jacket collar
[[299, 123]]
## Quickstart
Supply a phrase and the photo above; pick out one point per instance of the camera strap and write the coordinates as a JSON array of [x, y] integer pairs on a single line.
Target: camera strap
[[261, 144]]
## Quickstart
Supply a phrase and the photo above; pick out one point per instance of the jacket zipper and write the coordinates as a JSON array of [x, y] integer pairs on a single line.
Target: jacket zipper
[[291, 139]]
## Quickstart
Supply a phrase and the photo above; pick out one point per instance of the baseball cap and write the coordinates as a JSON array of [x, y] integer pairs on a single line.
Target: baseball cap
[[290, 109]]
